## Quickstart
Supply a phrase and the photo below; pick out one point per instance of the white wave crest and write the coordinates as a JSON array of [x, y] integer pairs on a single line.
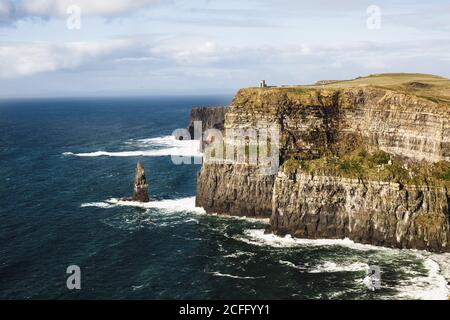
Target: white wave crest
[[239, 254], [97, 205], [259, 238], [291, 264], [218, 274], [330, 266], [155, 147], [171, 205], [433, 286]]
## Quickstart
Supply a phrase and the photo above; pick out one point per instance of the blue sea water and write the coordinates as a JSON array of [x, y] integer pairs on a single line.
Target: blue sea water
[[56, 210]]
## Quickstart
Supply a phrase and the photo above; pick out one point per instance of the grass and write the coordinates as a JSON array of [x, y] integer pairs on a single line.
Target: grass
[[430, 87], [378, 166]]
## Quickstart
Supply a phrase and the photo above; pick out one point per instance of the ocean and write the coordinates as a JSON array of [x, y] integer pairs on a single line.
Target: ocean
[[65, 162]]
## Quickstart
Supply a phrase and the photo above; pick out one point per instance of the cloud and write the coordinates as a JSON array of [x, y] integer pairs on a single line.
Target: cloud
[[186, 56], [6, 11], [18, 60], [11, 11]]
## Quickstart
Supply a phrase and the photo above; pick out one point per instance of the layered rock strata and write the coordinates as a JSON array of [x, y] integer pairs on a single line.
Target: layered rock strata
[[358, 159]]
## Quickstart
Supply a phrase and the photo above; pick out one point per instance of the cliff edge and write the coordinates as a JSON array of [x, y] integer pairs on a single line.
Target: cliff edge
[[366, 159]]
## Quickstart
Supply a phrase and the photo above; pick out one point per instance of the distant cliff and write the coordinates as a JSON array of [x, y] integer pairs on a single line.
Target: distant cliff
[[211, 118], [366, 159]]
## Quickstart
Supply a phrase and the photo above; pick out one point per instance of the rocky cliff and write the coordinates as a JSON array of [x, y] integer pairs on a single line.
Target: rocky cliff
[[237, 190], [375, 212], [211, 118], [366, 159]]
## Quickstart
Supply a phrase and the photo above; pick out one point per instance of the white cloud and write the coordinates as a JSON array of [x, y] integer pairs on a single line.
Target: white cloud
[[104, 8], [18, 60], [11, 11], [6, 11], [185, 55], [197, 53]]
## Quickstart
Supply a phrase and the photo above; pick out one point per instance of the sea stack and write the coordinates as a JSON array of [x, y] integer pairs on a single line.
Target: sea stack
[[140, 185]]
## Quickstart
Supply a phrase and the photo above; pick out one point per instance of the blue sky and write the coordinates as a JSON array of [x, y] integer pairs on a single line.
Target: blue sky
[[146, 47]]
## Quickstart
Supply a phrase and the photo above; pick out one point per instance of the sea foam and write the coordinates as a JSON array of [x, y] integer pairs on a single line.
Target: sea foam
[[153, 147], [260, 238], [432, 286], [172, 205], [169, 205], [219, 274], [330, 266]]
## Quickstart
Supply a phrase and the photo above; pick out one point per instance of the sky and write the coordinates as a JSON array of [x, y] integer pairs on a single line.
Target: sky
[[150, 47]]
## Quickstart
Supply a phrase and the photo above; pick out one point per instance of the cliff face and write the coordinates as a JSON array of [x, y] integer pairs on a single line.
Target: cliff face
[[374, 212], [238, 190], [211, 118], [313, 120], [358, 160], [398, 123]]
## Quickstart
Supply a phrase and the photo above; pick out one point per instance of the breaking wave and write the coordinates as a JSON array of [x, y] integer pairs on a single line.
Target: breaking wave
[[239, 254], [98, 205], [218, 274], [169, 205], [432, 285], [259, 238], [291, 265], [330, 266], [153, 147], [172, 205]]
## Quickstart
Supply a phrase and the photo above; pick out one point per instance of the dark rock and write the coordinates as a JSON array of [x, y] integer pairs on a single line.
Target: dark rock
[[237, 190], [372, 212], [140, 185], [211, 118]]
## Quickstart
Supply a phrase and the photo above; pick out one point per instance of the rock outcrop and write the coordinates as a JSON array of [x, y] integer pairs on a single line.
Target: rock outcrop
[[211, 118], [366, 159], [237, 190], [140, 185]]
